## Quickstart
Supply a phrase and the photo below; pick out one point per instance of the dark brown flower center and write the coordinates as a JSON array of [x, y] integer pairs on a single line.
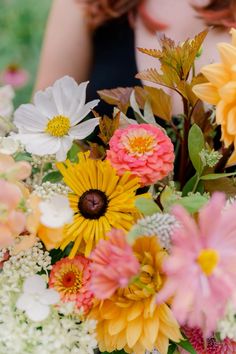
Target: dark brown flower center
[[93, 204]]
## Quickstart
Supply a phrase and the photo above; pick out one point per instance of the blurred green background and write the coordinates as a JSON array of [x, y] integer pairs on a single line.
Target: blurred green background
[[22, 24]]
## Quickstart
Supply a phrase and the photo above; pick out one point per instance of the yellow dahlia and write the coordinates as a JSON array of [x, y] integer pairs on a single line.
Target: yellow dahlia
[[221, 91], [100, 200], [131, 319]]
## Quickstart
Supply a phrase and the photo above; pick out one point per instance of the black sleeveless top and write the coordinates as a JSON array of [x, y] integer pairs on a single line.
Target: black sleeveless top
[[114, 62]]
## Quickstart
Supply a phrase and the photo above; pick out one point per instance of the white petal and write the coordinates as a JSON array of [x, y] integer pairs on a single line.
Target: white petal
[[65, 145], [45, 103], [55, 212], [50, 297], [38, 313], [82, 112], [82, 130], [25, 302], [39, 144], [34, 284], [28, 118], [72, 95]]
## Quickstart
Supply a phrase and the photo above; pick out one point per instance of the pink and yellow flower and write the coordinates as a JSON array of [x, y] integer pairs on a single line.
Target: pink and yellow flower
[[144, 150], [201, 269], [71, 278], [113, 265]]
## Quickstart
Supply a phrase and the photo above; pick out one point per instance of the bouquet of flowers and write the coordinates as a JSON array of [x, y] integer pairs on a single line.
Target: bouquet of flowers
[[118, 234]]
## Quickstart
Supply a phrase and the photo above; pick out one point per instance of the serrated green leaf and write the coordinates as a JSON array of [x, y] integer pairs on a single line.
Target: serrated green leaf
[[213, 176], [195, 145], [147, 206], [187, 346], [53, 177], [23, 156], [192, 203]]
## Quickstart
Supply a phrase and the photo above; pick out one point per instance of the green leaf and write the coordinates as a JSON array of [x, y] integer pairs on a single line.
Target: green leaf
[[72, 154], [147, 206], [212, 176], [187, 346], [23, 156], [172, 348], [188, 187], [53, 177], [192, 203], [195, 145]]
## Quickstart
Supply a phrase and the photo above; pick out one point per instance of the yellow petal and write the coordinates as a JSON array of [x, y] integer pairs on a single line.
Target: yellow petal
[[228, 92], [231, 121], [135, 311], [133, 332], [227, 53], [233, 34], [222, 110], [232, 159], [151, 327], [121, 340], [162, 343], [207, 92], [216, 73], [116, 326]]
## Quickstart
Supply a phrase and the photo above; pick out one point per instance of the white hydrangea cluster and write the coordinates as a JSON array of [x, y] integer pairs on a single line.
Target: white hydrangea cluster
[[210, 158], [227, 325], [158, 224], [28, 262], [38, 161], [61, 332], [48, 190]]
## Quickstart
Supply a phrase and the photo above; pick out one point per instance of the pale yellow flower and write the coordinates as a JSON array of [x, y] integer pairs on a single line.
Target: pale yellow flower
[[221, 91]]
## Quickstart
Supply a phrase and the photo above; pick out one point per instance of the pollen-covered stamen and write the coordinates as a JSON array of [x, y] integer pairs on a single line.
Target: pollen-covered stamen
[[139, 142], [93, 204], [58, 126]]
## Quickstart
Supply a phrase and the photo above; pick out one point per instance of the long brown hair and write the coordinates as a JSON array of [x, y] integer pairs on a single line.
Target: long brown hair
[[220, 13]]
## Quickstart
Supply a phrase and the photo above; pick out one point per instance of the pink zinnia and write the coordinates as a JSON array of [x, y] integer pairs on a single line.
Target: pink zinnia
[[201, 270], [71, 278], [15, 76], [144, 150], [114, 265], [211, 345]]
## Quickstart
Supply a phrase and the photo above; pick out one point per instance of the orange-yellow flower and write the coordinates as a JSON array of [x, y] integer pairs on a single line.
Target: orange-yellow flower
[[131, 319], [221, 91]]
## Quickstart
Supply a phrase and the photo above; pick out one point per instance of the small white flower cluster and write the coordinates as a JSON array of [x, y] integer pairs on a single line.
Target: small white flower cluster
[[28, 262], [161, 225], [227, 325], [47, 190], [210, 158], [38, 161], [61, 333]]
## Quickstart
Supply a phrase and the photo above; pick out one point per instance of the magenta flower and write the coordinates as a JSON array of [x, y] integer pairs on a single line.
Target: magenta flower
[[113, 266], [201, 270], [144, 150]]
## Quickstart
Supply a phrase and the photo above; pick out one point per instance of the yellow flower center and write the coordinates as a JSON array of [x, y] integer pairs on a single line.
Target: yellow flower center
[[208, 260], [58, 126], [139, 142]]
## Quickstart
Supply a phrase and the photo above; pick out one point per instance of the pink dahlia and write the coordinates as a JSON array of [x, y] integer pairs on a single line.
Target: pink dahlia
[[201, 269], [71, 277], [210, 345], [114, 264], [144, 150]]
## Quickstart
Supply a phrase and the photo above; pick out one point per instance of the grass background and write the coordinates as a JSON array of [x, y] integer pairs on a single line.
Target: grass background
[[22, 24]]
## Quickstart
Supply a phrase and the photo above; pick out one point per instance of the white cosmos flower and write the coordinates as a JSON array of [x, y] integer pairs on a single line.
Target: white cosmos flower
[[36, 298], [50, 125], [56, 211]]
